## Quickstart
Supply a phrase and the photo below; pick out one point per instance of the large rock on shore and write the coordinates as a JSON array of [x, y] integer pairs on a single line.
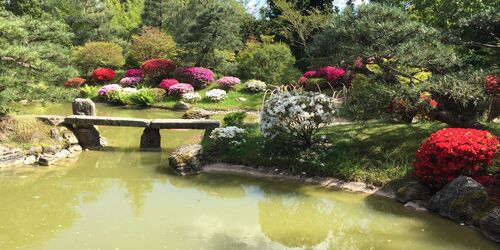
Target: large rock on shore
[[187, 160], [10, 156], [412, 191], [463, 200], [196, 113], [490, 225]]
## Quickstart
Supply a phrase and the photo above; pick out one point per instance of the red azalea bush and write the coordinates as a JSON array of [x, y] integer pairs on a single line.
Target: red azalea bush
[[134, 73], [334, 75], [103, 74], [158, 68], [451, 152], [167, 83], [75, 82], [492, 84]]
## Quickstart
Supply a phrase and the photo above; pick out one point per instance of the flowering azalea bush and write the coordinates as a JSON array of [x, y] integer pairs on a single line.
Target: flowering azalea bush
[[134, 73], [158, 68], [296, 115], [256, 85], [333, 75], [198, 77], [167, 83], [191, 97], [75, 82], [110, 87], [180, 89], [451, 152], [492, 84], [216, 95], [130, 81], [230, 135], [228, 81], [103, 74]]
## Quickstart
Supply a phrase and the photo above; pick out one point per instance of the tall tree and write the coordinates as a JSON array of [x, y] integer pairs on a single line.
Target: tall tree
[[24, 7], [273, 10], [159, 13], [126, 13], [207, 25]]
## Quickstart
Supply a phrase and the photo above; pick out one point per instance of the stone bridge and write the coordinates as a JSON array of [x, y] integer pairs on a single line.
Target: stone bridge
[[84, 123]]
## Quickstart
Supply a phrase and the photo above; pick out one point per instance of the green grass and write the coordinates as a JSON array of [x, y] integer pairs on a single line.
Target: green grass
[[374, 152], [253, 102], [25, 132]]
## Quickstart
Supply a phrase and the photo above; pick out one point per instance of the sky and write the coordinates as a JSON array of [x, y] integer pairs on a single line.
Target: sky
[[253, 6]]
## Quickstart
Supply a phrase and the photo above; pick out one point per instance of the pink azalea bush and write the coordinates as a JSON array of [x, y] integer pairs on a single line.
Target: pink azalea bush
[[333, 75], [167, 83], [130, 81], [228, 81], [198, 77], [180, 89], [107, 88], [134, 73]]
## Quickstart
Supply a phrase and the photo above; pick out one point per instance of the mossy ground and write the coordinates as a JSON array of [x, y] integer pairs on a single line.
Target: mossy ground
[[25, 132]]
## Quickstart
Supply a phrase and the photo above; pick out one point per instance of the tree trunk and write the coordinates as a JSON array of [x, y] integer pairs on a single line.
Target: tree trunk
[[494, 110], [455, 120]]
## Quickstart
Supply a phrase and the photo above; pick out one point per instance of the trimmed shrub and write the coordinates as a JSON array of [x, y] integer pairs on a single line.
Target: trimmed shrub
[[152, 43], [103, 91], [216, 95], [191, 97], [256, 85], [180, 89], [134, 73], [273, 63], [74, 82], [228, 81], [167, 83], [198, 77], [156, 68], [130, 81], [296, 116], [228, 136], [103, 75], [451, 152], [334, 76], [159, 93], [99, 54], [235, 119]]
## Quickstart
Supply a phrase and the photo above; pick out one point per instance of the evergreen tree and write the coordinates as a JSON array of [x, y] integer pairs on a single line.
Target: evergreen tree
[[25, 7], [126, 13], [160, 13]]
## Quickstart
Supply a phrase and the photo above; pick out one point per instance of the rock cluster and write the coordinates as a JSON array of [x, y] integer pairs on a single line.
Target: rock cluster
[[187, 160], [197, 113], [10, 156]]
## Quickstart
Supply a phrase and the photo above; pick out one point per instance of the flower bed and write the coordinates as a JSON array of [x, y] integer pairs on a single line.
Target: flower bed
[[198, 77], [451, 152]]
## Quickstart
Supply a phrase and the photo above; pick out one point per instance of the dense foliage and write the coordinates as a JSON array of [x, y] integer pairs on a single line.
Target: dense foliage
[[198, 77], [99, 54], [152, 43], [449, 153], [158, 68]]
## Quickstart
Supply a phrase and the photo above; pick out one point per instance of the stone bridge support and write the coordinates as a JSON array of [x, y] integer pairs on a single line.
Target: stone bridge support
[[88, 135], [151, 140]]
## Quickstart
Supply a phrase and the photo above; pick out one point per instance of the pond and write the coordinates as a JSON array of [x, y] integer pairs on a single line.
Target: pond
[[121, 198]]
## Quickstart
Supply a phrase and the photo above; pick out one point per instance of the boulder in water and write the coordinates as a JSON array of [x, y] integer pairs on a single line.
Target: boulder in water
[[187, 160]]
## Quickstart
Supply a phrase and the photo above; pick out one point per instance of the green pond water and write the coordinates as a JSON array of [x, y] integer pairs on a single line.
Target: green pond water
[[121, 198]]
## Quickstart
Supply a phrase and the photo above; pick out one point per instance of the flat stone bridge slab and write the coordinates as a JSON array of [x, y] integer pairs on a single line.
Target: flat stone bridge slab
[[89, 137]]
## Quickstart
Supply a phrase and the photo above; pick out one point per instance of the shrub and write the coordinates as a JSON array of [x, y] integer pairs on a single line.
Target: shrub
[[256, 85], [158, 68], [99, 54], [198, 77], [451, 152], [159, 93], [296, 116], [75, 82], [492, 84], [313, 84], [103, 74], [134, 73], [216, 95], [143, 97], [180, 89], [334, 76], [130, 81], [167, 83], [90, 92], [117, 97], [152, 43], [228, 81], [110, 87], [273, 63], [228, 136], [235, 119], [191, 97]]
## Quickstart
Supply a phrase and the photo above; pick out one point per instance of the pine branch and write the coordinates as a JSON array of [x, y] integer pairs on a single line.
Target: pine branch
[[18, 62]]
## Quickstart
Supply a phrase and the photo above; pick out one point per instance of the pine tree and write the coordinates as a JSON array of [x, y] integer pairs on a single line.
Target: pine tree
[[25, 7]]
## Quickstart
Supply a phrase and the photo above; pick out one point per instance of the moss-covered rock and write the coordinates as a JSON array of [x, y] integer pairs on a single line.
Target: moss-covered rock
[[196, 113], [187, 160], [413, 190]]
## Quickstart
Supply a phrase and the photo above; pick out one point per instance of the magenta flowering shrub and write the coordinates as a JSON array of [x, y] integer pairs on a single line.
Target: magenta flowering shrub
[[134, 73], [167, 83], [107, 88], [130, 81], [228, 81], [198, 77], [180, 89], [334, 76]]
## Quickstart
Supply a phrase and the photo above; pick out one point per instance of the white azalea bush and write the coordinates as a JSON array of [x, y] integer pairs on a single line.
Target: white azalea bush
[[297, 116], [231, 135], [191, 97], [255, 85], [216, 95]]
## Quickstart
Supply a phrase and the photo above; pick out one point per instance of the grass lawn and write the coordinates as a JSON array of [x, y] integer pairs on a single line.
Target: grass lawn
[[253, 100], [374, 152]]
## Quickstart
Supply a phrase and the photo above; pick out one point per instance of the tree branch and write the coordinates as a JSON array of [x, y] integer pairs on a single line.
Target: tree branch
[[20, 63], [481, 45]]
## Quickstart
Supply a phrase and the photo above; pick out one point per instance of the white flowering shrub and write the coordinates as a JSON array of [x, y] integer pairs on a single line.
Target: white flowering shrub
[[216, 95], [230, 135], [296, 115], [256, 85], [191, 97]]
